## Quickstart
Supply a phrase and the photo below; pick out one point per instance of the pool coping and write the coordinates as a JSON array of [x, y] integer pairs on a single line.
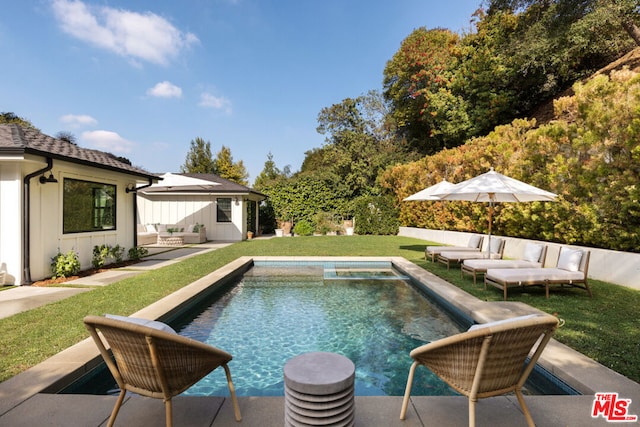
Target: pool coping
[[577, 370]]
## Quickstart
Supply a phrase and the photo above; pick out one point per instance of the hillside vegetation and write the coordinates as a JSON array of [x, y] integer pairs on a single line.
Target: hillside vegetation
[[589, 154]]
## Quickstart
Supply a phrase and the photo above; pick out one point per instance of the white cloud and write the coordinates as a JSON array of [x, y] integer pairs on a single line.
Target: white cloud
[[107, 141], [75, 120], [138, 36], [218, 102], [165, 89]]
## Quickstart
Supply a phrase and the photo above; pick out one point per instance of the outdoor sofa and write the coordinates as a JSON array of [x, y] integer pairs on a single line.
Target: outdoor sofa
[[474, 245], [533, 256], [496, 250], [193, 233], [571, 269]]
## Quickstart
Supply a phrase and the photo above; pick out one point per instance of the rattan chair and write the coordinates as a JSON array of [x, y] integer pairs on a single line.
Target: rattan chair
[[155, 363], [488, 360]]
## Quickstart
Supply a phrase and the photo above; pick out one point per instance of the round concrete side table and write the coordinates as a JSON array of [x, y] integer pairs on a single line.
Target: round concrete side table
[[319, 390]]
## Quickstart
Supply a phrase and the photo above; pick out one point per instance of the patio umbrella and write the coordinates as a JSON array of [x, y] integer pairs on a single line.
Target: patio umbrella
[[428, 193], [493, 187]]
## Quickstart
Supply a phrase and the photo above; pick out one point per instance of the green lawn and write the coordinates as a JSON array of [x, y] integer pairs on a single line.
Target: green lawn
[[31, 337]]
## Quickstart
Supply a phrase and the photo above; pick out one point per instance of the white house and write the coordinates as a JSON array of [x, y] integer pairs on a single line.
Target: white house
[[227, 209], [56, 196]]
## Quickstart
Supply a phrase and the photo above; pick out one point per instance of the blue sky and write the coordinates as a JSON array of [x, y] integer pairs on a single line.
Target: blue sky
[[142, 79]]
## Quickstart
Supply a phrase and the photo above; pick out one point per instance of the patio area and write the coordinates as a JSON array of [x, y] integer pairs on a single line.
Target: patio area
[[90, 411]]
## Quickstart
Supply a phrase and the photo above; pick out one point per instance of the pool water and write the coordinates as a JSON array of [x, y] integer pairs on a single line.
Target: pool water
[[373, 317]]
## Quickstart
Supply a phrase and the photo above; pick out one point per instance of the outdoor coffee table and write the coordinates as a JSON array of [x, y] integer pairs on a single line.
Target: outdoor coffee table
[[165, 239]]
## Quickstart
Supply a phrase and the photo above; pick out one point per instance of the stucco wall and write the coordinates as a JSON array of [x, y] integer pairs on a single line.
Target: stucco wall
[[622, 268]]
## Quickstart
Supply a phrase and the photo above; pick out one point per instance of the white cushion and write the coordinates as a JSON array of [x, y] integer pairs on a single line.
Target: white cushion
[[144, 322], [494, 247], [532, 252], [502, 322], [569, 259], [474, 241], [151, 228], [162, 228]]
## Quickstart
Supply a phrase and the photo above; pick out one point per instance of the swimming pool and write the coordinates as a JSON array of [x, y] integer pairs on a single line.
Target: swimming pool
[[368, 313], [441, 297]]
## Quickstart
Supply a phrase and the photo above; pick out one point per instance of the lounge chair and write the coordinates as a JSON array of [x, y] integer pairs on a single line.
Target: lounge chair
[[153, 362], [487, 360], [571, 269], [474, 245], [533, 256], [496, 250]]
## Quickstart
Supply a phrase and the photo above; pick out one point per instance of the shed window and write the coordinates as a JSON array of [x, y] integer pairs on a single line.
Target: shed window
[[88, 206], [223, 209]]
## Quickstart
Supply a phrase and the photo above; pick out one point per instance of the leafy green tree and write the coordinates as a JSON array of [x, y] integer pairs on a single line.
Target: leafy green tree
[[416, 83], [226, 168], [269, 174], [557, 42], [359, 145], [199, 158]]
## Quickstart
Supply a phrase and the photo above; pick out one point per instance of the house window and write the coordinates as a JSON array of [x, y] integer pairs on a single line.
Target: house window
[[223, 209], [88, 206]]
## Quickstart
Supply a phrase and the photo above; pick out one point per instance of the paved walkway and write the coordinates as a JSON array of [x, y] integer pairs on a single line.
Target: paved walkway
[[23, 298]]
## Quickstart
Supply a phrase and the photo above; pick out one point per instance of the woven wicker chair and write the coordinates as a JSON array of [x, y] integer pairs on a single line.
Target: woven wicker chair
[[155, 363], [488, 360]]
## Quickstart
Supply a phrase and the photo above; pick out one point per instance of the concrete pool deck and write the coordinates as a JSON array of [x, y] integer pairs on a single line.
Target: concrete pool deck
[[26, 399]]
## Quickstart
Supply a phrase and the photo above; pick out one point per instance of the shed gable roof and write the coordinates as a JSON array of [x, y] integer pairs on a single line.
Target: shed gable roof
[[200, 183]]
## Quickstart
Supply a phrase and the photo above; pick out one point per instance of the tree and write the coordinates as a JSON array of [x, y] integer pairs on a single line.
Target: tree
[[416, 82], [226, 168], [68, 137], [11, 118], [199, 158], [270, 174], [359, 145]]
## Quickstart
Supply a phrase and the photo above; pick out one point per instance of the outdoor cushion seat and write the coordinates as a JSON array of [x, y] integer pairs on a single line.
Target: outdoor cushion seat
[[150, 359], [488, 360], [571, 269], [533, 256], [474, 245], [496, 250]]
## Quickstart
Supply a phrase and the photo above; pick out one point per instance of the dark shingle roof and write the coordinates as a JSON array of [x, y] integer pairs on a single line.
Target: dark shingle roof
[[15, 139], [218, 185]]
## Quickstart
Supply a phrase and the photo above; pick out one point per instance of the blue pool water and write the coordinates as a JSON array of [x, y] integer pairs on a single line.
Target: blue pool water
[[374, 317], [277, 310]]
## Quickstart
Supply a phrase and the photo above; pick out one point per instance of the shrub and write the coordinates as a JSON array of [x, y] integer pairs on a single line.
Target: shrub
[[65, 265], [303, 228], [376, 215], [137, 253], [100, 254], [117, 253]]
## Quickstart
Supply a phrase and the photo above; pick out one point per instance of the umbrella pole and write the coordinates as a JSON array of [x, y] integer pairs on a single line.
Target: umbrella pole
[[490, 224]]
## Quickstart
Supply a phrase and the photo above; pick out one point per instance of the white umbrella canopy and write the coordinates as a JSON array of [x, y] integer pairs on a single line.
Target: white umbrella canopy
[[494, 187], [428, 193]]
